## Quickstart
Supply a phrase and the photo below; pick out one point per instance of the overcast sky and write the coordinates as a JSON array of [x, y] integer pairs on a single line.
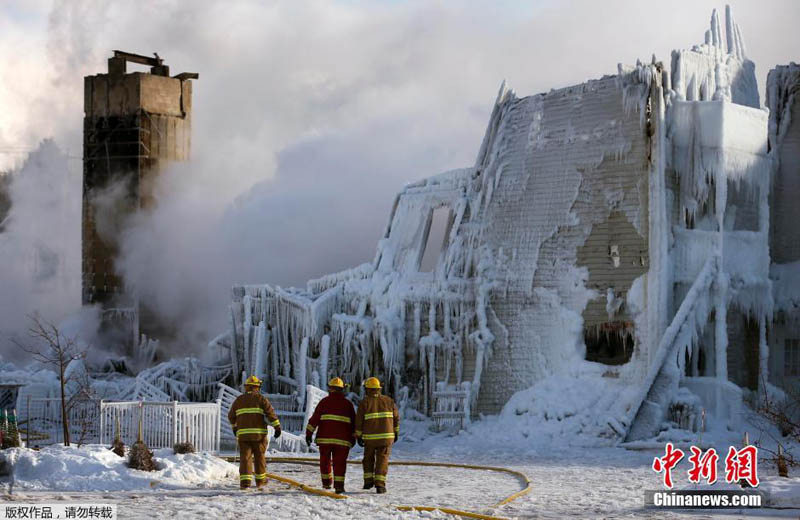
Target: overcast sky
[[309, 116]]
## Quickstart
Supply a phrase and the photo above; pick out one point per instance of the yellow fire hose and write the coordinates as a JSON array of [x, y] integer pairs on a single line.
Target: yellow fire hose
[[466, 514]]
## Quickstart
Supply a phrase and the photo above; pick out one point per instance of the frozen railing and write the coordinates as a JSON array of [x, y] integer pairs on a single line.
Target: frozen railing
[[292, 420], [286, 407], [176, 380], [141, 389], [645, 416], [451, 407], [326, 282], [164, 424]]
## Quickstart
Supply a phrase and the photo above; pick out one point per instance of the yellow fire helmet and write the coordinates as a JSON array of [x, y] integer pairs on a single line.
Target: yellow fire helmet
[[372, 382], [252, 381], [336, 382]]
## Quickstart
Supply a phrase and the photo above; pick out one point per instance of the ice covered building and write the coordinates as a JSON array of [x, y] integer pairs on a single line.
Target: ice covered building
[[612, 239], [783, 100]]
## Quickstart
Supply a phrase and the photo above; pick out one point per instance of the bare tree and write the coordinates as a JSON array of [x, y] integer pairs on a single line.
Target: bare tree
[[783, 415], [83, 403], [53, 348]]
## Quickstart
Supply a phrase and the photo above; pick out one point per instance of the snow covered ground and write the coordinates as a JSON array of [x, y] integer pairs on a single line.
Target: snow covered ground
[[575, 473], [567, 482]]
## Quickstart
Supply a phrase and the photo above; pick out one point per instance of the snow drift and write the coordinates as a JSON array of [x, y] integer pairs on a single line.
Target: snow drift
[[96, 468]]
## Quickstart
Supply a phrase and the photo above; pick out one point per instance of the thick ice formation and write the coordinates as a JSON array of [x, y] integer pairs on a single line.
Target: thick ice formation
[[716, 69], [611, 235]]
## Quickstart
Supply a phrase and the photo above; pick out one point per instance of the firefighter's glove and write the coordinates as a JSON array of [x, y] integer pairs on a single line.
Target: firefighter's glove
[[235, 429], [395, 437], [360, 441], [308, 440], [277, 432]]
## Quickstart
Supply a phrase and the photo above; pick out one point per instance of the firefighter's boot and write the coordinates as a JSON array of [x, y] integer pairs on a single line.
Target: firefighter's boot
[[380, 489], [244, 481]]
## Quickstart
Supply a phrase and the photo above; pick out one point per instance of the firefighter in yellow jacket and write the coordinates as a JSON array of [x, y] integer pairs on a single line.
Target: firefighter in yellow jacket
[[250, 414], [377, 426]]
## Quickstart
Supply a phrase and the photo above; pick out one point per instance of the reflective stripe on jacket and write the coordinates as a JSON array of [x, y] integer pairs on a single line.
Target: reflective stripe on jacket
[[250, 414], [335, 417], [377, 420]]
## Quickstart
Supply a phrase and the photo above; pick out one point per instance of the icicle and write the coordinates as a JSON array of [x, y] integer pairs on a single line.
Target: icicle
[[323, 357], [729, 32], [740, 40], [763, 355], [716, 37], [246, 332], [300, 369], [261, 351]]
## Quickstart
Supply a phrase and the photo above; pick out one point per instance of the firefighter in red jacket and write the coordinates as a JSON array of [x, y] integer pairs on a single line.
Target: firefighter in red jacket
[[335, 418]]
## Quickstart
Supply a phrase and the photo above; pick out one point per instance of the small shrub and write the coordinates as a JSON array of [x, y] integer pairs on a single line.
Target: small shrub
[[118, 447], [141, 457], [183, 448]]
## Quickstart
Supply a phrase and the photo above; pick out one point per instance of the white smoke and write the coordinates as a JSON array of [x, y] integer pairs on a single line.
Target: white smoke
[[39, 261], [308, 117]]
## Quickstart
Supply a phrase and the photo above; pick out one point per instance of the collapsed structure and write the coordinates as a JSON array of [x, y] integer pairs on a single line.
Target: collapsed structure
[[614, 235]]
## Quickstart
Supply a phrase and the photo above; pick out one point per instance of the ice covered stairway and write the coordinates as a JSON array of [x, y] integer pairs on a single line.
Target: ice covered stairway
[[650, 408], [287, 442]]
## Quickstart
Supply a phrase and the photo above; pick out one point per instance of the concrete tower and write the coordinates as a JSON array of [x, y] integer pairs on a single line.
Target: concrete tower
[[134, 124]]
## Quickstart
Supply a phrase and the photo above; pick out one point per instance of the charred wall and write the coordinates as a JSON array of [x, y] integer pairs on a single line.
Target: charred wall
[[133, 124]]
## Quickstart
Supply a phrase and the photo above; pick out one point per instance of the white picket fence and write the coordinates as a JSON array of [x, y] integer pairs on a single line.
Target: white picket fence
[[164, 424]]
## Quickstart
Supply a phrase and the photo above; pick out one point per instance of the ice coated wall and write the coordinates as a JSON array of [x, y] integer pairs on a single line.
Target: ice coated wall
[[631, 208], [783, 100], [567, 180], [561, 179]]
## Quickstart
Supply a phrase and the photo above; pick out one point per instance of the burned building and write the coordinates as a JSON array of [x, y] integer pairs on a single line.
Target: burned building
[[783, 100], [612, 236], [134, 124]]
